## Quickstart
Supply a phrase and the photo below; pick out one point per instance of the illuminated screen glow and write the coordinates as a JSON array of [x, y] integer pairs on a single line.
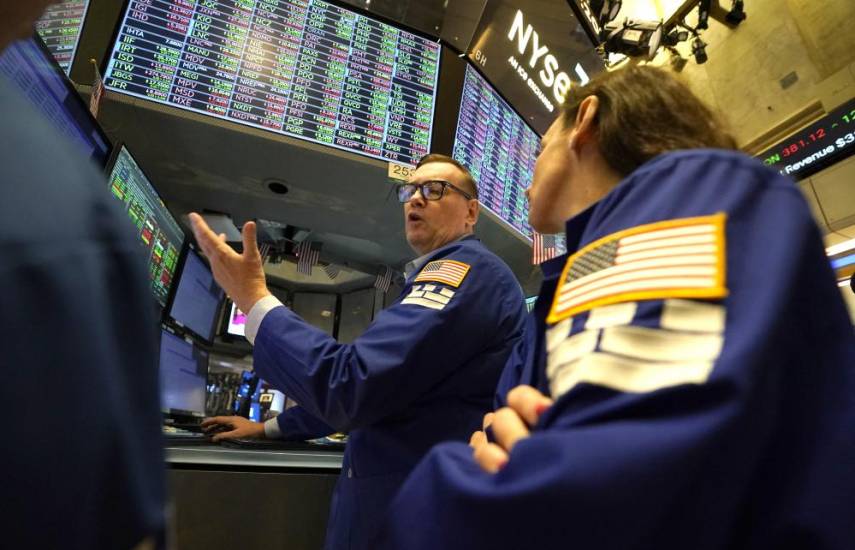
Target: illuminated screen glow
[[159, 232], [306, 69], [60, 28], [499, 148]]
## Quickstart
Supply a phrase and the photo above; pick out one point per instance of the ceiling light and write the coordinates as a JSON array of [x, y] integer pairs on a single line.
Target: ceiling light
[[633, 38]]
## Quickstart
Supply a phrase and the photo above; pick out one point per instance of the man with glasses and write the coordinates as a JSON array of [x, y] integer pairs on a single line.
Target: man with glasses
[[424, 372]]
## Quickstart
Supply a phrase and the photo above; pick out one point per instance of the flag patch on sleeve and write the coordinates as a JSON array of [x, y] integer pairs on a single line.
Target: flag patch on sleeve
[[449, 272], [682, 258], [429, 296]]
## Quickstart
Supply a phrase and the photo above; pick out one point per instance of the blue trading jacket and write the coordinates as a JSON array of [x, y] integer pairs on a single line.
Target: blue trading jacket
[[424, 372], [703, 371], [82, 459]]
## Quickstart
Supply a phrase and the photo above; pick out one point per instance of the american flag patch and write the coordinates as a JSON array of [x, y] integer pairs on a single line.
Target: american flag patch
[[449, 272], [681, 258]]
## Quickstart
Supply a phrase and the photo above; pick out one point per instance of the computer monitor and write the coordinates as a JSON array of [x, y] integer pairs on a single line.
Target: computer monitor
[[499, 148], [183, 376], [315, 71], [28, 65], [60, 28], [197, 297], [236, 323], [159, 232]]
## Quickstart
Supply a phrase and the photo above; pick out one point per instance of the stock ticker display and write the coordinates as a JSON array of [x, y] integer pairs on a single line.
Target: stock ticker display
[[60, 28], [307, 69], [499, 148], [159, 232]]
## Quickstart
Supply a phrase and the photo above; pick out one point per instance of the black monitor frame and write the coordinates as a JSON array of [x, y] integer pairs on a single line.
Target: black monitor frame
[[186, 250], [108, 169], [78, 100]]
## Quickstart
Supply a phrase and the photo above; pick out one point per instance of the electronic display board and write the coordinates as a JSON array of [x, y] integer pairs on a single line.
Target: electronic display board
[[534, 51], [303, 68], [818, 146], [499, 148], [60, 28], [159, 232], [28, 65]]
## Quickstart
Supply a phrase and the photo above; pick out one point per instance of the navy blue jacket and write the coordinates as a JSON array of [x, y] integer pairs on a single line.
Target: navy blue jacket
[[425, 371], [81, 464], [703, 369]]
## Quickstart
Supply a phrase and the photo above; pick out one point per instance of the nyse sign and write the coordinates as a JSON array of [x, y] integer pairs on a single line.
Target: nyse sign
[[533, 52]]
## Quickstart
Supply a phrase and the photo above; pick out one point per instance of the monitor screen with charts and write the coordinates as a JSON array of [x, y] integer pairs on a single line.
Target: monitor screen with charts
[[159, 232]]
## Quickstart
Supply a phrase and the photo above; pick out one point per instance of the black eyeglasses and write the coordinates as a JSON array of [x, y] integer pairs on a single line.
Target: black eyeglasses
[[432, 190]]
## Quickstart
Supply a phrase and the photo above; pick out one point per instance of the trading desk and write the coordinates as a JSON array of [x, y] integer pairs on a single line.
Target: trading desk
[[226, 498]]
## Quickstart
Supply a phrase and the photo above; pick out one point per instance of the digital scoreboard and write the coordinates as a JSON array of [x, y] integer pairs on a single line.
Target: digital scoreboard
[[499, 148], [303, 68]]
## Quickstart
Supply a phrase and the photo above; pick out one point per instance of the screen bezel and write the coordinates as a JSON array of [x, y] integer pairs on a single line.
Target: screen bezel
[[186, 250], [108, 169], [77, 99], [108, 53]]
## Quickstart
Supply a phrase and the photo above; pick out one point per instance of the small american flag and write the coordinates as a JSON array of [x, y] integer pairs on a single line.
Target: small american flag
[[307, 256], [450, 272], [543, 248], [332, 271], [383, 281], [679, 258], [97, 91]]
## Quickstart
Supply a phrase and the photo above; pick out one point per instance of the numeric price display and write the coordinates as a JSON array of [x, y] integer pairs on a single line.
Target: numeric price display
[[499, 148], [303, 68], [60, 28], [823, 143]]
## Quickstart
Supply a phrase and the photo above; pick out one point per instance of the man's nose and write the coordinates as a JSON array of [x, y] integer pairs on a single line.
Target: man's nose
[[417, 198]]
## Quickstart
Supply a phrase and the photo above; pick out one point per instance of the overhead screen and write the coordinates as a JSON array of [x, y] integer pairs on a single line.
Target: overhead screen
[[28, 65], [60, 28], [499, 148], [307, 69], [159, 232]]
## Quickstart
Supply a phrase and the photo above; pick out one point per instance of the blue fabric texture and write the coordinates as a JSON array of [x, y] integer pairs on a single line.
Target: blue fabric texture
[[759, 455], [82, 465], [417, 376]]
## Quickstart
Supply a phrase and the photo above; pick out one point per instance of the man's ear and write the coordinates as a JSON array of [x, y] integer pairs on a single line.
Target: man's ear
[[473, 210], [585, 128]]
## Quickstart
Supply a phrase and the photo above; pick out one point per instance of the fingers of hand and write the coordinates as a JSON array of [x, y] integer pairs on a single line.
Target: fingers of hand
[[477, 439], [508, 428], [490, 457], [488, 419], [250, 246], [227, 435], [528, 403], [215, 421], [212, 245]]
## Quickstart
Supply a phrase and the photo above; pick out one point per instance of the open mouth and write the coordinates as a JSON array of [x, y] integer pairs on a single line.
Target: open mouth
[[414, 217]]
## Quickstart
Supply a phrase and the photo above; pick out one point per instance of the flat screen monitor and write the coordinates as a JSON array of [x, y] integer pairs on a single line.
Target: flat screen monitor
[[60, 28], [28, 65], [183, 376], [236, 325], [307, 69], [197, 297], [159, 232], [499, 148]]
